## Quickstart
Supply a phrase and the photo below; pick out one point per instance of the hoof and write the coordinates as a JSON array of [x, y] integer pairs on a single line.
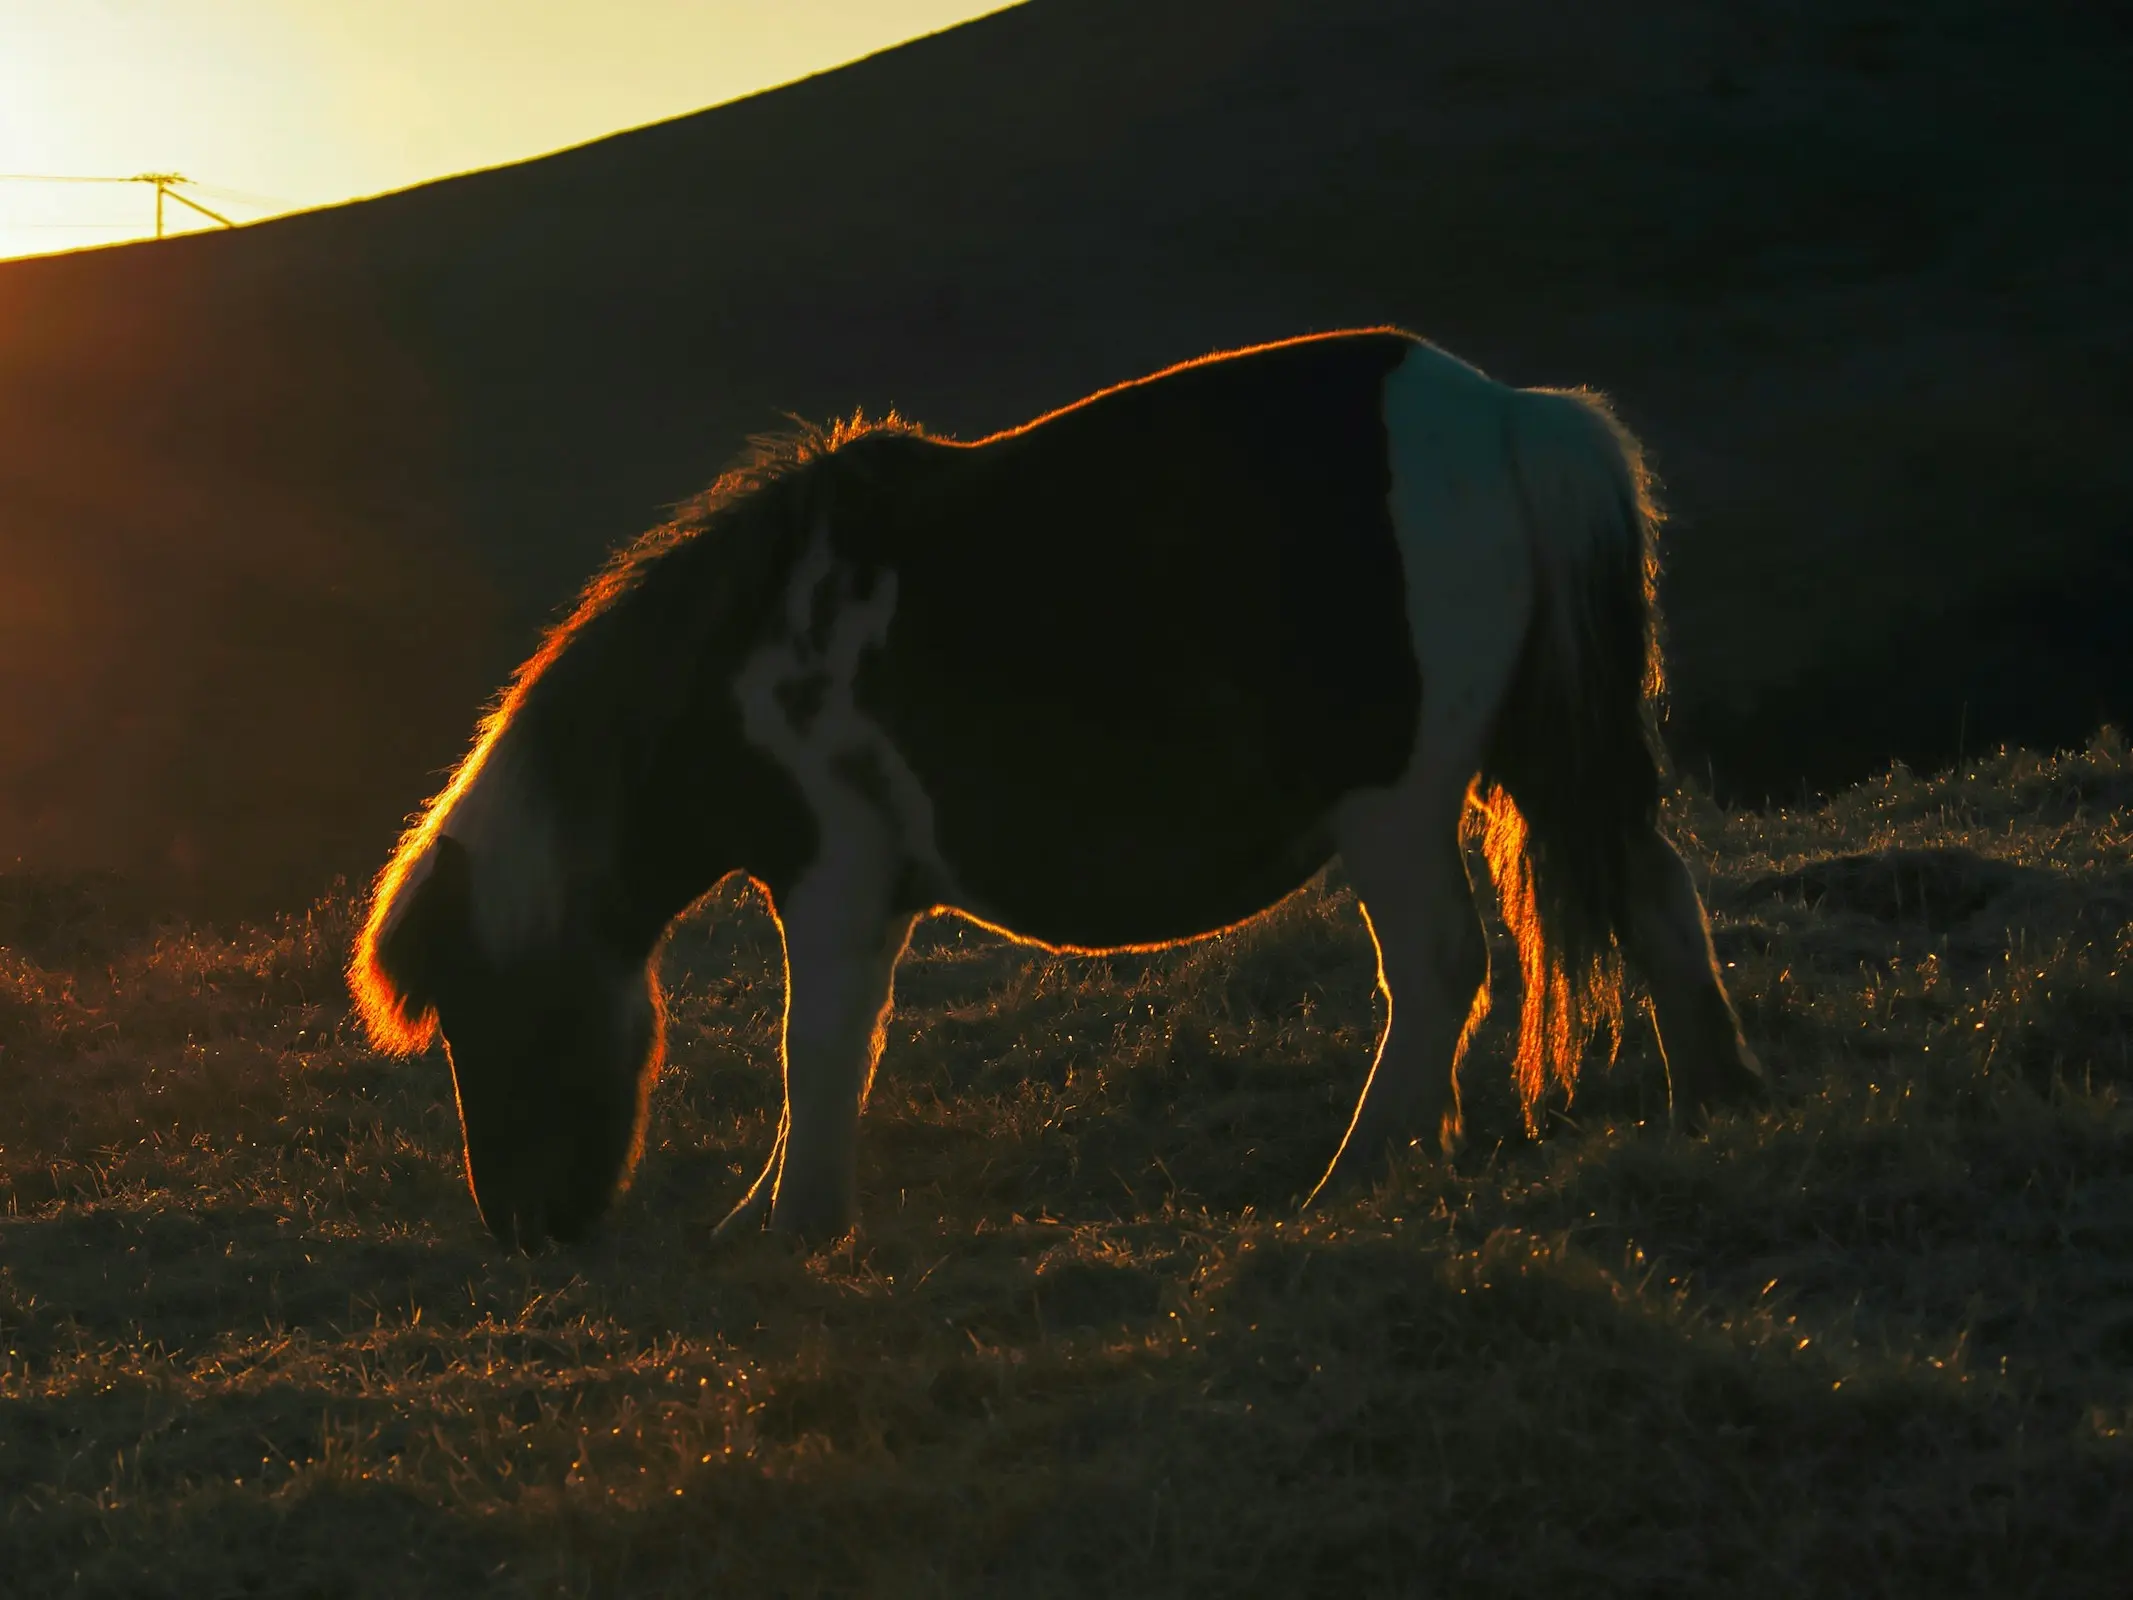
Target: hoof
[[746, 1218], [1339, 1183], [816, 1219], [1387, 1132], [754, 1210], [1353, 1175], [1742, 1085], [814, 1235]]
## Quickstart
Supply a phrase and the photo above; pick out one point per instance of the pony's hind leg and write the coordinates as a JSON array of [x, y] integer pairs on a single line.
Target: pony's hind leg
[[1401, 850], [1668, 942]]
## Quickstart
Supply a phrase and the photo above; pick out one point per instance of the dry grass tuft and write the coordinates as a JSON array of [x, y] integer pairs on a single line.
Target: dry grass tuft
[[1877, 1339]]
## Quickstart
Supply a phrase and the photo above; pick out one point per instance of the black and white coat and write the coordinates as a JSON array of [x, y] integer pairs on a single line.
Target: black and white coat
[[1126, 675]]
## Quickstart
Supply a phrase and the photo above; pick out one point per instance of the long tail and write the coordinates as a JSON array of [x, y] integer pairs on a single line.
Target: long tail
[[1571, 776]]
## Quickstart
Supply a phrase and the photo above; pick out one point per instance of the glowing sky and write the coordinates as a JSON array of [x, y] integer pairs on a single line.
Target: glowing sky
[[273, 105]]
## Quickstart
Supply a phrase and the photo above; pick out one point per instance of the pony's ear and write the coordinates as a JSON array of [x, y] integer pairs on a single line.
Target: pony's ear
[[416, 947]]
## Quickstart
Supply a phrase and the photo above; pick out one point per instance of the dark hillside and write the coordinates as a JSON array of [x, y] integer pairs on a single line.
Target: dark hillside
[[277, 508]]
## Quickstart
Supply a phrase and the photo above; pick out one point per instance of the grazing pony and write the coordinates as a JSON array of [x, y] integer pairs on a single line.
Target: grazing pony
[[1123, 676]]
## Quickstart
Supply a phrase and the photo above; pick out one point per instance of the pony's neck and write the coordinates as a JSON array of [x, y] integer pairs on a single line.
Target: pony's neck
[[619, 784], [705, 803]]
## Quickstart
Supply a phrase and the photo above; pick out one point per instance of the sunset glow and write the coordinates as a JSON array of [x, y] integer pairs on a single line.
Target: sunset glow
[[278, 105]]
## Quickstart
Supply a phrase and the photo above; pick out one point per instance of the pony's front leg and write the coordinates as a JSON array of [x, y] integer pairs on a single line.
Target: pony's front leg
[[1401, 851], [841, 951]]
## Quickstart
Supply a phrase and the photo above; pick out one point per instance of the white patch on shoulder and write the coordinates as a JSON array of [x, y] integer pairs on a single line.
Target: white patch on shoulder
[[1463, 544], [799, 705]]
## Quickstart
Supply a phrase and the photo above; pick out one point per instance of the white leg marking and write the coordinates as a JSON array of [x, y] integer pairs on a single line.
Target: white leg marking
[[839, 987], [873, 819]]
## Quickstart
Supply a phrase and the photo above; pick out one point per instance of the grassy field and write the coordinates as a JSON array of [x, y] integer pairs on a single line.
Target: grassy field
[[1875, 1340]]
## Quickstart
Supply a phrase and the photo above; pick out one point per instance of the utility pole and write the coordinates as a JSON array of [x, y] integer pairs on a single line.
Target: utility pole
[[166, 185]]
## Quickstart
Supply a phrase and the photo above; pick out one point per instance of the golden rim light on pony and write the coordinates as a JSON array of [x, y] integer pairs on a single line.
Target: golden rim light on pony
[[1339, 595]]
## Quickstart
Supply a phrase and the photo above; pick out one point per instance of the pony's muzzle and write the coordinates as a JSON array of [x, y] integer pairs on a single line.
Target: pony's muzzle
[[557, 1192], [529, 1225], [523, 1229]]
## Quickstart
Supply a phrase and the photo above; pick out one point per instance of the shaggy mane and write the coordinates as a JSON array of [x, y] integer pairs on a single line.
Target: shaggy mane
[[769, 458], [735, 504]]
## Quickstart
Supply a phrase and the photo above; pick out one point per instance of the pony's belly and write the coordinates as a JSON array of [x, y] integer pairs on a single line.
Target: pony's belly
[[1115, 789], [1110, 886], [1137, 801]]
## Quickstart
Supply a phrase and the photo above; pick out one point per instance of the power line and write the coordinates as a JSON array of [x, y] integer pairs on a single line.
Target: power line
[[166, 186], [216, 191]]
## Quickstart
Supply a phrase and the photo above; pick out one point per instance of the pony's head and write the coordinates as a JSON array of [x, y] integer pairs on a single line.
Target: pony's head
[[519, 914], [554, 1040]]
